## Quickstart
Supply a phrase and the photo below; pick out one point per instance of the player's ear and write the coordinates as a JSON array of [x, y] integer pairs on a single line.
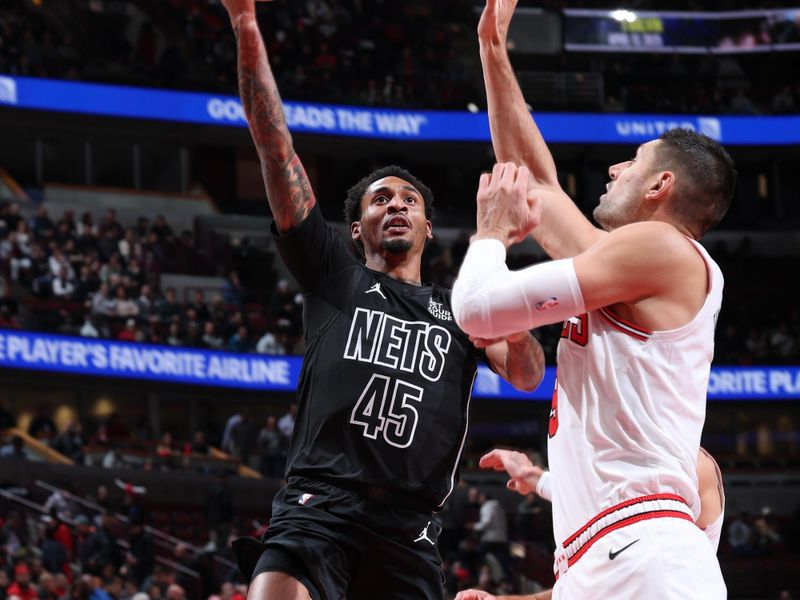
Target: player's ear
[[428, 230], [661, 186], [355, 230]]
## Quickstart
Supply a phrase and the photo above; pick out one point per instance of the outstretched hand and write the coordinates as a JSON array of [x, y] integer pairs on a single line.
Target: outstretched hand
[[474, 595], [504, 212], [523, 474], [495, 20]]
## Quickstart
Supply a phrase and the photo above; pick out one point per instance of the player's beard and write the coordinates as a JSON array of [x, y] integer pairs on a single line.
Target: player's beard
[[396, 245]]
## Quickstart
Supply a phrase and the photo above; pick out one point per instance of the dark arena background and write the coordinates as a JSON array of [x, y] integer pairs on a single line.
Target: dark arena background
[[150, 338]]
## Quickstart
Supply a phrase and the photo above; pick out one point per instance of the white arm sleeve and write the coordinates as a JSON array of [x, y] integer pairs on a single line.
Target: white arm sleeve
[[545, 488], [489, 301]]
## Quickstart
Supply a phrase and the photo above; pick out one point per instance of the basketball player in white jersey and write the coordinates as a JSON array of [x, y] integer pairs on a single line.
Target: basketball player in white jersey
[[527, 478], [639, 299]]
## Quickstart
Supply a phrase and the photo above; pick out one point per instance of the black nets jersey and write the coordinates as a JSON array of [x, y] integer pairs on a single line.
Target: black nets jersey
[[385, 387]]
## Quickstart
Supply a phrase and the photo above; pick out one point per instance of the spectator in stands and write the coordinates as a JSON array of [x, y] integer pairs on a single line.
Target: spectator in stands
[[101, 550], [141, 555], [766, 535], [68, 220], [60, 502], [83, 531], [128, 246], [146, 302], [219, 508], [210, 338], [62, 286], [165, 449], [194, 336], [174, 337], [152, 255], [168, 307], [86, 226], [22, 587], [242, 436], [55, 556], [49, 588], [13, 536], [125, 307], [286, 422], [199, 306], [273, 343], [270, 442], [88, 329], [17, 253], [239, 341], [15, 449], [740, 535], [8, 318], [283, 304], [42, 426], [42, 226], [102, 303], [233, 292], [70, 442], [493, 529], [62, 235], [161, 229], [103, 498], [86, 283], [157, 584], [175, 592], [129, 333], [199, 443], [58, 261], [111, 224]]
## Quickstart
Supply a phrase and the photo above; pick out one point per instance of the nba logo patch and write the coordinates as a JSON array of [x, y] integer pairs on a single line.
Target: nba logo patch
[[304, 499]]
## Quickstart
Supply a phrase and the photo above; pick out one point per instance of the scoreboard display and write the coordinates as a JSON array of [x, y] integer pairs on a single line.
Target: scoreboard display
[[683, 32]]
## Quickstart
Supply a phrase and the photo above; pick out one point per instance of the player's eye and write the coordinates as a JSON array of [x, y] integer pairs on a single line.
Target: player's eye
[[381, 198], [411, 199]]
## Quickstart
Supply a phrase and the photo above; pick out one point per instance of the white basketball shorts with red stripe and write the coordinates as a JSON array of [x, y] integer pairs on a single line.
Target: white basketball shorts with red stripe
[[639, 550]]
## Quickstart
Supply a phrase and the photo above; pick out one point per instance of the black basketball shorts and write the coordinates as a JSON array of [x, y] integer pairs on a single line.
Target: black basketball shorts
[[344, 545]]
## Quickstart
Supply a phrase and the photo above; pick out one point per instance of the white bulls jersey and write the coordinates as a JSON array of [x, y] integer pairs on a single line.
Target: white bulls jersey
[[628, 410]]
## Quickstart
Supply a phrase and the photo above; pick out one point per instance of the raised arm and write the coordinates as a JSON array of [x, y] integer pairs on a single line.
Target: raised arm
[[288, 191], [648, 266], [564, 231]]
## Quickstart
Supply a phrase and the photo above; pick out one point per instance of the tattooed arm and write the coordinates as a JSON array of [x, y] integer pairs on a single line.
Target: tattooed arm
[[288, 191], [519, 359]]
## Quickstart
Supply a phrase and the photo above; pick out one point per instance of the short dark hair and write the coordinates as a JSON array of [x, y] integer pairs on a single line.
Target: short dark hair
[[352, 204], [706, 176]]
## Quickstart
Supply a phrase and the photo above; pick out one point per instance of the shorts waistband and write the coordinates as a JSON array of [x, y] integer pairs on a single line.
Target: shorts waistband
[[384, 495], [655, 506]]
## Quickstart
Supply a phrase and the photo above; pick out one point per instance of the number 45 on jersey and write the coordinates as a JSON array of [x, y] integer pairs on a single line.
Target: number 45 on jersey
[[388, 408]]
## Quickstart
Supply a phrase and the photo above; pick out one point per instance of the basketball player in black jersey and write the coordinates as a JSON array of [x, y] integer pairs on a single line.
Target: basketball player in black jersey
[[385, 386]]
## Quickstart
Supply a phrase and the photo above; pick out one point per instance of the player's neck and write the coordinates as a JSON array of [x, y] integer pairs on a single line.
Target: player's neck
[[403, 267]]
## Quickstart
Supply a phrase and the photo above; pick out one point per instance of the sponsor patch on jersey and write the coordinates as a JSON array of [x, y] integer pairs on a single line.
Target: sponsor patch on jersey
[[438, 310], [303, 500]]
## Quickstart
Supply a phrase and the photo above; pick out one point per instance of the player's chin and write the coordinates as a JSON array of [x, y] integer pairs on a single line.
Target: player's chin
[[397, 245]]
